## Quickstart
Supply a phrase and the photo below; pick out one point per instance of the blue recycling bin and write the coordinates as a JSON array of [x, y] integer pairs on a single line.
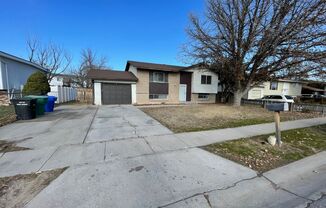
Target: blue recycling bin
[[50, 104]]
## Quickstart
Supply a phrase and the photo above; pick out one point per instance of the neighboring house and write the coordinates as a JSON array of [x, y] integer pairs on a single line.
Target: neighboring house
[[14, 71], [149, 83], [314, 88], [63, 80], [278, 87]]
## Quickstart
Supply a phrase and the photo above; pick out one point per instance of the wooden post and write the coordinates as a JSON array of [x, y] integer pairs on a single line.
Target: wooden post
[[277, 127]]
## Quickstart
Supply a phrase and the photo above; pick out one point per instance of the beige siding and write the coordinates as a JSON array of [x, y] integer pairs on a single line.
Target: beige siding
[[267, 90], [142, 88], [174, 82], [295, 89], [255, 93], [287, 88]]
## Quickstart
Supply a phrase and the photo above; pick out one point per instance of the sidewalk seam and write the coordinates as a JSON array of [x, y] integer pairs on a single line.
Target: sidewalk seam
[[104, 151], [276, 187], [48, 159], [209, 191], [90, 125]]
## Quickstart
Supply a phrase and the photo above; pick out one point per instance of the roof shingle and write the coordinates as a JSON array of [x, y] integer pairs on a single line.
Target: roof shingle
[[156, 67], [111, 75]]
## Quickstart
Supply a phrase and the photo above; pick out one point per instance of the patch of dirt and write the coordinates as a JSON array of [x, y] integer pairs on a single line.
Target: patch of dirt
[[16, 191], [10, 147], [215, 116]]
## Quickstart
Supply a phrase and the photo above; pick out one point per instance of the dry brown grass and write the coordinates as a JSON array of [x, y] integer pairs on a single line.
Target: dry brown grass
[[215, 116], [259, 155], [7, 115]]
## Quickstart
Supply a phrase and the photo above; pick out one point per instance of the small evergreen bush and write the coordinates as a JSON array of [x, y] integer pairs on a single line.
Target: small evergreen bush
[[37, 84]]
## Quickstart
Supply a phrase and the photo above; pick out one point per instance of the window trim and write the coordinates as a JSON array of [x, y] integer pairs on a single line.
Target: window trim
[[206, 78], [149, 97], [270, 86], [165, 77], [203, 94]]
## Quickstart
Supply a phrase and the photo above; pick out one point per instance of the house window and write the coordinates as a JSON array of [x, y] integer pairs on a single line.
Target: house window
[[203, 96], [159, 77], [158, 96], [273, 86], [206, 79]]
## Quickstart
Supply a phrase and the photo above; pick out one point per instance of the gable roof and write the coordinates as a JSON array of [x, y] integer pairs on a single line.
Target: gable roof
[[15, 58], [111, 75], [153, 66]]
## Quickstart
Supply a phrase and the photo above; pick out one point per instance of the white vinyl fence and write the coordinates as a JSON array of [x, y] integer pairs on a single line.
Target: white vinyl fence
[[64, 94]]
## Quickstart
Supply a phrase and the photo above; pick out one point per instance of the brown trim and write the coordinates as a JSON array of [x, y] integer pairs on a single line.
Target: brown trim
[[185, 78]]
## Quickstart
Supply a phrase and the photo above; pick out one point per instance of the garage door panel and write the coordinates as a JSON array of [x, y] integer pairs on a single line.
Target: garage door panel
[[116, 94]]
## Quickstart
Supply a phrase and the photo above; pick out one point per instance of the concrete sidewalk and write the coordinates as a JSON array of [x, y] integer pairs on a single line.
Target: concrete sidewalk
[[299, 184], [120, 157], [202, 138], [186, 178]]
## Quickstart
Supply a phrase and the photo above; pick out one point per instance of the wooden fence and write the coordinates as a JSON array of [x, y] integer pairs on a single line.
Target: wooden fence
[[300, 107], [85, 95]]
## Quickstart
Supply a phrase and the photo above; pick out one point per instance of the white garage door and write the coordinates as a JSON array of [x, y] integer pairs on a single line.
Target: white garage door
[[255, 94]]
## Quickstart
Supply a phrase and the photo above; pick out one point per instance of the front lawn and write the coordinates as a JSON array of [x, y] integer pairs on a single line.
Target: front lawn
[[259, 155], [7, 115], [215, 116]]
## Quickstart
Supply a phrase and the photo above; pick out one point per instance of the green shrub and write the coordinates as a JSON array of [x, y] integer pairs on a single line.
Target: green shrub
[[37, 84]]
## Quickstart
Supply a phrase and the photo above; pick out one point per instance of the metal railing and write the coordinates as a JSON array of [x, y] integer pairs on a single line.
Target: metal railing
[[299, 107]]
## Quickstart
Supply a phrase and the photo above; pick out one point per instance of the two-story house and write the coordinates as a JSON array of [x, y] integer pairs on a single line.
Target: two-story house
[[149, 83]]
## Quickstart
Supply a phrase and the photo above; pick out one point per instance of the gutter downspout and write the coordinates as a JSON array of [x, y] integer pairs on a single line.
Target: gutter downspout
[[7, 77]]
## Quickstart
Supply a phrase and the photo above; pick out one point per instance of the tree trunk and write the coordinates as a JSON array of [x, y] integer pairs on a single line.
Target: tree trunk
[[237, 97]]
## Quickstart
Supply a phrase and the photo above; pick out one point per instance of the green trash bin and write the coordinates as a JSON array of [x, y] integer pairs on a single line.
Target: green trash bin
[[41, 101]]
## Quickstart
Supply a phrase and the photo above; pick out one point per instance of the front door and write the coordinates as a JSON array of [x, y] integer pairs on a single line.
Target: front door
[[185, 78], [182, 92]]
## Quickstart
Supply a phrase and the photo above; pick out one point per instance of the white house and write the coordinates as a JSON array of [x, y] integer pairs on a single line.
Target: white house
[[277, 87], [63, 80]]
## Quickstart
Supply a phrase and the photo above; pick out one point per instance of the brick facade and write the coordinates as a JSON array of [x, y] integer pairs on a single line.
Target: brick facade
[[142, 89]]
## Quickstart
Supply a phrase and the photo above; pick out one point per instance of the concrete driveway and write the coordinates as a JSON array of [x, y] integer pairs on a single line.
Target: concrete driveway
[[120, 157]]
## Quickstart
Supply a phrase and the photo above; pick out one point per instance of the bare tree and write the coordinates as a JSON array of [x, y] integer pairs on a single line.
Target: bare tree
[[50, 56], [89, 60], [248, 42]]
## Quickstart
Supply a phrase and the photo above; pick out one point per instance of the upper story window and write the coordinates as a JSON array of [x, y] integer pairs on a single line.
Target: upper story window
[[159, 77], [205, 79], [273, 86]]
